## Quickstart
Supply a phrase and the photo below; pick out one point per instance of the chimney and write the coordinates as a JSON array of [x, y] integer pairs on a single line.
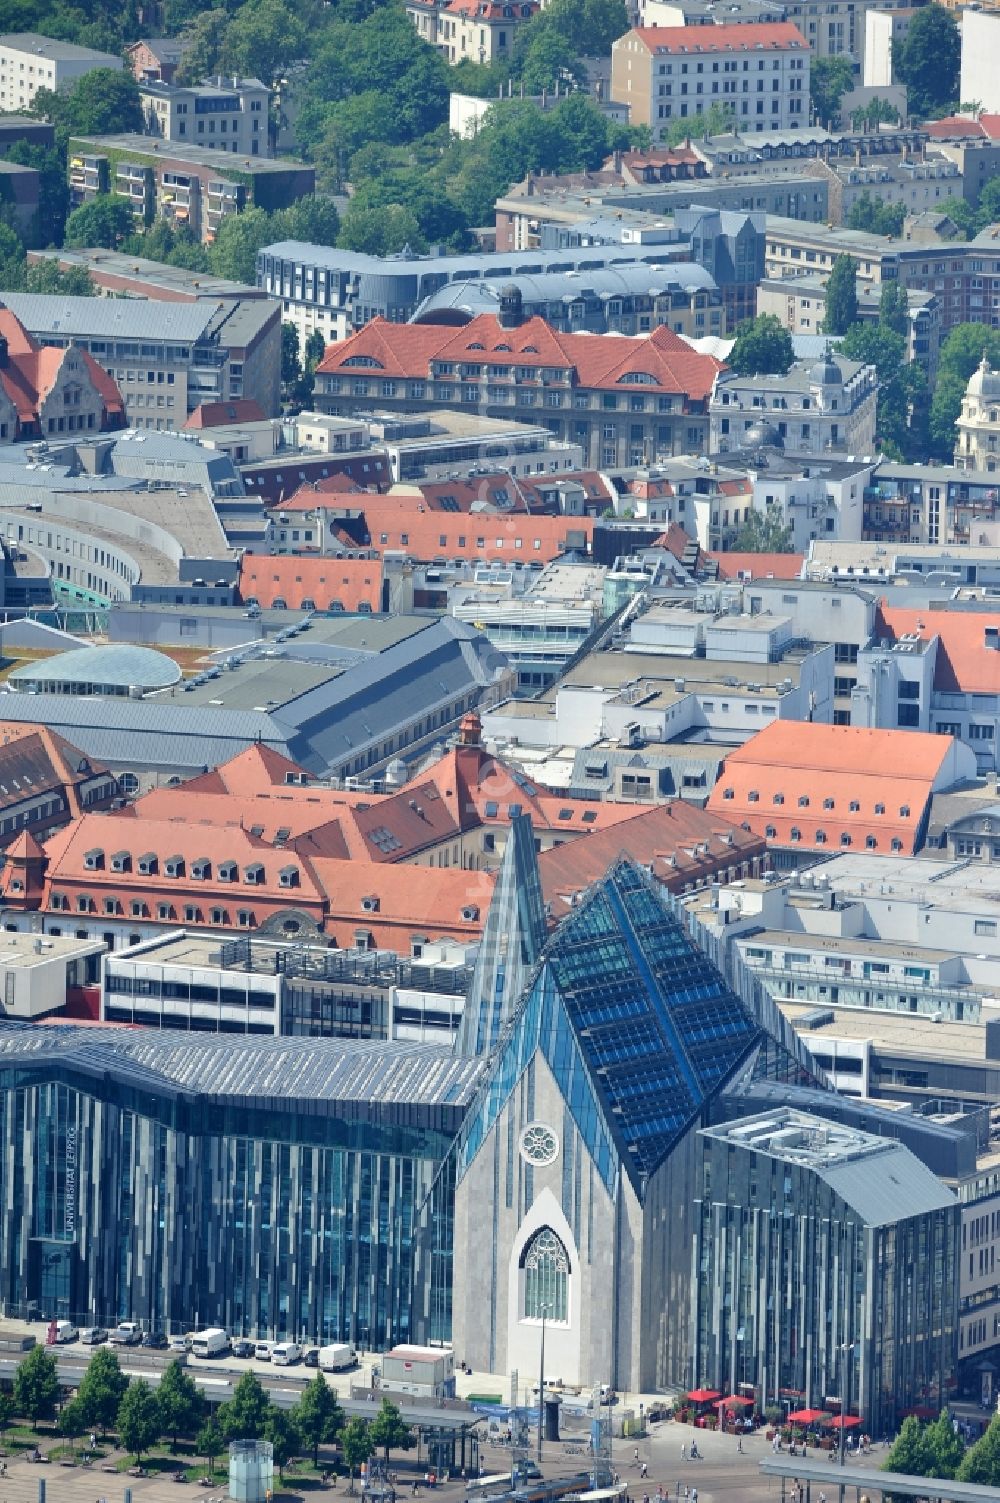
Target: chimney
[[3, 351]]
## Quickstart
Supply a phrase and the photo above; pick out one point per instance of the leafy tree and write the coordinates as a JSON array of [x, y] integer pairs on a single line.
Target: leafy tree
[[902, 393], [876, 216], [380, 231], [36, 1385], [829, 80], [139, 1419], [312, 218], [714, 121], [589, 26], [262, 39], [894, 308], [763, 347], [6, 1412], [203, 38], [291, 365], [280, 1430], [982, 1461], [72, 1421], [105, 221], [317, 1415], [764, 532], [49, 277], [181, 1405], [874, 344], [945, 1448], [315, 349], [102, 1389], [13, 268], [237, 241], [908, 1452], [209, 1441], [388, 1430], [876, 112], [960, 353], [549, 59], [356, 1446], [245, 1416], [928, 60], [105, 101], [841, 297]]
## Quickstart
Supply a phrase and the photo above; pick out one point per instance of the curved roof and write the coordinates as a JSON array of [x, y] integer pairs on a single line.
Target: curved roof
[[113, 666]]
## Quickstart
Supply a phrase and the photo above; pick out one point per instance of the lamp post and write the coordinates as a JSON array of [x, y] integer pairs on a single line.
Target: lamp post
[[541, 1387], [846, 1348]]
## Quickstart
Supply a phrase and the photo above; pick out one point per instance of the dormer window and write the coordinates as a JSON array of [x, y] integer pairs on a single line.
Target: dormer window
[[174, 866], [94, 860], [121, 861], [289, 876], [253, 875], [201, 869], [470, 913], [228, 871], [370, 905], [147, 864]]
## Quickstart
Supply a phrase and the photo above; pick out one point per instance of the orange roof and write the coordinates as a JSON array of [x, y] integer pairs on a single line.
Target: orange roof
[[30, 372], [759, 565], [594, 360], [740, 37], [396, 522], [220, 414], [965, 664], [828, 782], [326, 493], [329, 583]]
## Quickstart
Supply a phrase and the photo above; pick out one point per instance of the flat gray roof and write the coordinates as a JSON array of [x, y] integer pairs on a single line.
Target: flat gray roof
[[200, 284], [154, 150], [59, 52]]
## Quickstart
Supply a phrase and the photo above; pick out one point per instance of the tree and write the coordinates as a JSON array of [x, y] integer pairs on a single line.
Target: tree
[[262, 39], [589, 26], [13, 267], [49, 277], [762, 348], [72, 1421], [764, 532], [548, 59], [291, 366], [317, 1415], [841, 297], [714, 121], [380, 231], [982, 1461], [245, 1416], [876, 216], [237, 241], [945, 1447], [829, 80], [894, 308], [315, 349], [36, 1385], [209, 1441], [53, 190], [876, 112], [902, 393], [356, 1446], [960, 353], [388, 1430], [105, 101], [139, 1419], [908, 1452], [928, 60], [102, 1389], [105, 221], [6, 1412], [181, 1405], [280, 1430], [203, 40]]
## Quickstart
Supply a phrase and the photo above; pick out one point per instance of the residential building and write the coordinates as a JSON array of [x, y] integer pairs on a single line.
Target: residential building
[[829, 32], [183, 182], [168, 363], [823, 409], [590, 391], [760, 70], [29, 62], [980, 34], [920, 183], [222, 115], [885, 32], [45, 782], [19, 189], [46, 392], [812, 786], [480, 31], [25, 128], [978, 426], [799, 302], [155, 59]]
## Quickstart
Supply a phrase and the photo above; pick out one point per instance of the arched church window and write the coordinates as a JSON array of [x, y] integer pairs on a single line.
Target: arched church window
[[546, 1277]]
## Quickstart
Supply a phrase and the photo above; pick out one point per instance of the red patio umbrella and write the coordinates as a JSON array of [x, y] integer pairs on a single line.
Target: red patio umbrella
[[704, 1395], [807, 1416], [733, 1401], [844, 1422]]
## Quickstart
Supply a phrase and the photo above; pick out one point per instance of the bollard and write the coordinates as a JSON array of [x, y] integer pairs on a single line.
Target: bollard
[[41, 1490]]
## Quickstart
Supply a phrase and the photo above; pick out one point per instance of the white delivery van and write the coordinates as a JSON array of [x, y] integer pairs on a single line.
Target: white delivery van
[[211, 1343], [66, 1331], [285, 1353], [336, 1357]]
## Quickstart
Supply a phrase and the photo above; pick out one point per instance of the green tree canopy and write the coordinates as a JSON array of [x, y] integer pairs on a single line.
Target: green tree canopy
[[72, 1420], [908, 1452], [181, 1404], [388, 1430], [105, 101], [53, 190], [262, 39], [13, 267], [280, 1430], [902, 395], [876, 112], [245, 1415], [203, 37], [102, 1389], [36, 1385], [139, 1419], [945, 1447], [876, 216], [763, 347], [928, 60], [356, 1446], [714, 121], [982, 1461], [209, 1441], [894, 308], [317, 1416], [841, 297], [49, 277], [829, 80], [960, 353], [105, 221], [764, 532]]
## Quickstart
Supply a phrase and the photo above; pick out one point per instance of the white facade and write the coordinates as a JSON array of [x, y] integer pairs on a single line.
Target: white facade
[[884, 29], [980, 80], [35, 972], [826, 409], [228, 115], [29, 62], [977, 445]]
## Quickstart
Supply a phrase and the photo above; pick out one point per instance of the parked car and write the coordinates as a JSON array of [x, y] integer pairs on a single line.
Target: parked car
[[311, 1356], [179, 1343], [127, 1333], [155, 1339], [262, 1351], [244, 1348], [93, 1335]]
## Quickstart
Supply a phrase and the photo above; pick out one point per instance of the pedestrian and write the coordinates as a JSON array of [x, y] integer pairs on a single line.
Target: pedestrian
[[644, 1470], [694, 1495], [635, 1455], [684, 1451], [739, 1446]]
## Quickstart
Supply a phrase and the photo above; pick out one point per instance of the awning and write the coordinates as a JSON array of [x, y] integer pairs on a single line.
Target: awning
[[807, 1416], [846, 1423], [733, 1400], [703, 1395]]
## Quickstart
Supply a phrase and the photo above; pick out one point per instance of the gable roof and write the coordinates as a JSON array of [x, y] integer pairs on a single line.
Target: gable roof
[[220, 414], [330, 583], [759, 565], [965, 664], [30, 371]]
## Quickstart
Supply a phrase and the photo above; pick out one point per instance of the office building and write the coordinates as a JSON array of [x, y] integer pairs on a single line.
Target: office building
[[114, 274], [183, 182], [29, 62], [167, 361], [668, 73], [824, 409], [220, 114]]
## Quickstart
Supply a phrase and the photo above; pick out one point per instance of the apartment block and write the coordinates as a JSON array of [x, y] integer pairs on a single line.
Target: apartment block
[[220, 114], [478, 31], [666, 73], [29, 62]]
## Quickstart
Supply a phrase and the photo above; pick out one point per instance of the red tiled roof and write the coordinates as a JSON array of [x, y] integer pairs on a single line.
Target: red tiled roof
[[964, 663], [796, 775], [30, 371], [394, 523], [294, 578], [596, 360], [492, 10], [759, 565], [742, 36], [220, 414], [954, 128]]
